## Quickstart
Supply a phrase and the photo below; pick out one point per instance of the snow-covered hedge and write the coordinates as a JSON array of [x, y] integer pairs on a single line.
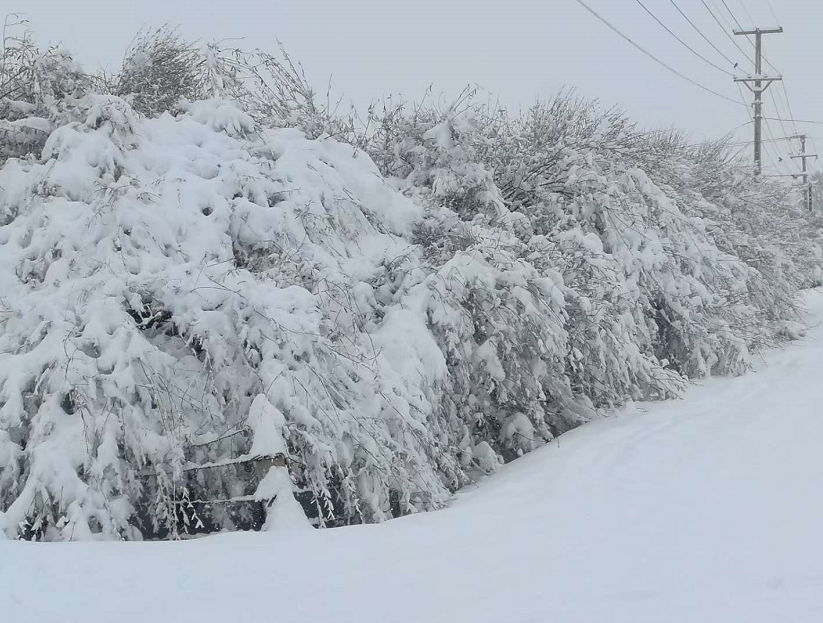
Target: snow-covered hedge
[[204, 312]]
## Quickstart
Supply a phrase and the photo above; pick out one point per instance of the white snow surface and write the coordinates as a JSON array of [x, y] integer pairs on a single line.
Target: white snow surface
[[707, 509]]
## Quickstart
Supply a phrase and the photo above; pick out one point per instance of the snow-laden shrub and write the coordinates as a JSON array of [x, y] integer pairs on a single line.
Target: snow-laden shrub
[[499, 322], [274, 90], [761, 222], [436, 153], [38, 91], [154, 286], [160, 68], [635, 225], [162, 71], [205, 314]]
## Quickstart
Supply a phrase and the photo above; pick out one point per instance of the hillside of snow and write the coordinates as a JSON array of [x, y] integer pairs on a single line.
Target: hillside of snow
[[221, 308], [702, 509]]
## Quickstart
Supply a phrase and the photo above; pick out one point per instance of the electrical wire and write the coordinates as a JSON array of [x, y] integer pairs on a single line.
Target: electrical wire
[[652, 56], [683, 43], [727, 25], [771, 10], [742, 125], [748, 38], [736, 154], [770, 150], [777, 111], [814, 146], [788, 103], [739, 26], [771, 138], [776, 139], [796, 120], [700, 32], [814, 166], [726, 32], [746, 11], [791, 119], [782, 82]]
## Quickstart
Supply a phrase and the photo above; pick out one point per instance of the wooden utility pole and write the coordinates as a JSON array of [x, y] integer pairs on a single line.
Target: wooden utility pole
[[758, 78], [803, 155]]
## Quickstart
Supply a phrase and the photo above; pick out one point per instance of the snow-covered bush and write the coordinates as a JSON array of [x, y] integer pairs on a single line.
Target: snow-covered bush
[[162, 283], [160, 68], [38, 91], [215, 316], [634, 223], [162, 71], [274, 90]]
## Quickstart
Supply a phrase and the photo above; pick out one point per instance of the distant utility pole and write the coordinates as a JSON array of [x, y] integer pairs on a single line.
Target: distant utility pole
[[803, 155], [758, 78]]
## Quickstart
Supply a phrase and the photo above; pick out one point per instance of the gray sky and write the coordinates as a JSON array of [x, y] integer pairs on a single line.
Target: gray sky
[[515, 49]]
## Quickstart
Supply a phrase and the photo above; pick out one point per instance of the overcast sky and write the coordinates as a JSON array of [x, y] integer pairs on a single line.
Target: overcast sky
[[515, 49]]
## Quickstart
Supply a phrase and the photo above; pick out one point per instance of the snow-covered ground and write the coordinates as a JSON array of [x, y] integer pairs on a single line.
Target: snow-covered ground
[[704, 510]]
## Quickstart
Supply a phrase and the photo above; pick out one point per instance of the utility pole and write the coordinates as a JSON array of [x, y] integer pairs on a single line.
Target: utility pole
[[803, 155], [758, 78]]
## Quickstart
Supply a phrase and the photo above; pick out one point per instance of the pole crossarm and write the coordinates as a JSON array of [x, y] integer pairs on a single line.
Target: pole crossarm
[[757, 78], [758, 87], [760, 31]]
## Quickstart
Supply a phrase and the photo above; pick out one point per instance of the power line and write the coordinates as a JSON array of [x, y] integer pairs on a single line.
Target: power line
[[739, 25], [770, 134], [796, 120], [746, 11], [777, 111], [736, 154], [788, 104], [727, 24], [776, 139], [814, 146], [700, 32], [774, 151], [652, 56], [725, 30], [791, 119], [748, 38], [782, 83], [771, 10], [686, 45], [742, 125], [743, 99], [791, 114]]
